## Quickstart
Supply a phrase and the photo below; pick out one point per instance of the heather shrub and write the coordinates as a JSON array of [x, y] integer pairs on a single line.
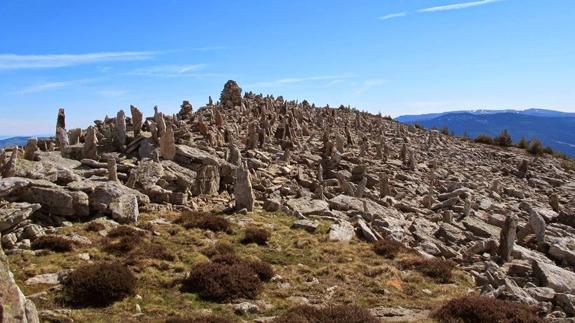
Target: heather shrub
[[205, 221], [220, 282], [227, 277], [54, 243], [256, 235], [503, 139], [122, 246], [438, 269], [94, 227], [220, 248], [200, 319], [124, 231], [330, 314], [472, 309], [152, 251], [484, 139], [388, 248], [445, 130], [99, 284]]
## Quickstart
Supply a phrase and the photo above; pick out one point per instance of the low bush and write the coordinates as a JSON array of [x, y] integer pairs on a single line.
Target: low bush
[[256, 235], [205, 221], [523, 143], [54, 243], [152, 251], [99, 284], [122, 246], [503, 139], [472, 309], [438, 269], [94, 227], [227, 277], [388, 248], [124, 231], [220, 248], [484, 139], [535, 147], [200, 319], [334, 313]]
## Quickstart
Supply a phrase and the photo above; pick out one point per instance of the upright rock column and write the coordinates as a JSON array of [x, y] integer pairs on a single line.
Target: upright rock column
[[243, 192]]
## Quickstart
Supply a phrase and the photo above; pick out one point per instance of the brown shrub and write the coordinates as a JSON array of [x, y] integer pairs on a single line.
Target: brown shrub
[[94, 227], [438, 269], [153, 251], [220, 248], [204, 221], [99, 284], [221, 282], [264, 270], [388, 248], [337, 313], [256, 235], [484, 139], [124, 231], [54, 243], [535, 147], [122, 246], [200, 319], [471, 309], [503, 139]]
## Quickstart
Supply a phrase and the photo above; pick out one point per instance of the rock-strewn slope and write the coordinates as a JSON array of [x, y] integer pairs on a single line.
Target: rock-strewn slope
[[508, 219]]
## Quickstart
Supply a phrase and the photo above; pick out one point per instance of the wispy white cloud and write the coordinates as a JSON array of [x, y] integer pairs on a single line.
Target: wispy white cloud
[[169, 70], [393, 15], [112, 93], [369, 84], [49, 86], [459, 6], [296, 80], [15, 62]]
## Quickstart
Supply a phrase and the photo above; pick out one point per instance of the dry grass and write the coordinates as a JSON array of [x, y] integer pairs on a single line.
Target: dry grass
[[309, 265], [329, 314]]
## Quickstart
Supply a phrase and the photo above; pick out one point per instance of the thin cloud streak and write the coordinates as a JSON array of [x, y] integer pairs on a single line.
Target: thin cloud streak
[[49, 86], [295, 80], [459, 6], [393, 15], [170, 70], [369, 84], [16, 62]]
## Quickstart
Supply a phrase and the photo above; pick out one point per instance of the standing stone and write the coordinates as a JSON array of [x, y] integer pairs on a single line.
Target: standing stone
[[412, 163], [403, 153], [74, 136], [243, 193], [538, 226], [137, 119], [384, 185], [60, 123], [339, 143], [14, 307], [62, 138], [121, 128], [2, 157], [90, 149], [345, 186], [554, 202], [168, 144], [234, 155], [112, 169], [9, 169], [523, 168], [467, 207], [507, 238], [31, 148], [361, 187]]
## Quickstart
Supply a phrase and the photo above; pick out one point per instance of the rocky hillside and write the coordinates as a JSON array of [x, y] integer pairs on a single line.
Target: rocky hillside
[[259, 209]]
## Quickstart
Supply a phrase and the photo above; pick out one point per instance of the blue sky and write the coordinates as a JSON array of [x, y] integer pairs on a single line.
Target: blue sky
[[391, 56]]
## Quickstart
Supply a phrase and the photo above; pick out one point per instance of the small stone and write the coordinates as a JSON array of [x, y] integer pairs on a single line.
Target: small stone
[[307, 225]]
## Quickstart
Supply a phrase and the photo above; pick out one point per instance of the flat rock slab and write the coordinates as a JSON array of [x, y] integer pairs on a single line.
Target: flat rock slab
[[308, 206], [343, 231], [307, 225], [561, 280], [345, 202]]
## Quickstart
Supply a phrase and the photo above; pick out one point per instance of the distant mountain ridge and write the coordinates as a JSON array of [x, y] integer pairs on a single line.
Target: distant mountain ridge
[[554, 128], [528, 112], [7, 141]]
